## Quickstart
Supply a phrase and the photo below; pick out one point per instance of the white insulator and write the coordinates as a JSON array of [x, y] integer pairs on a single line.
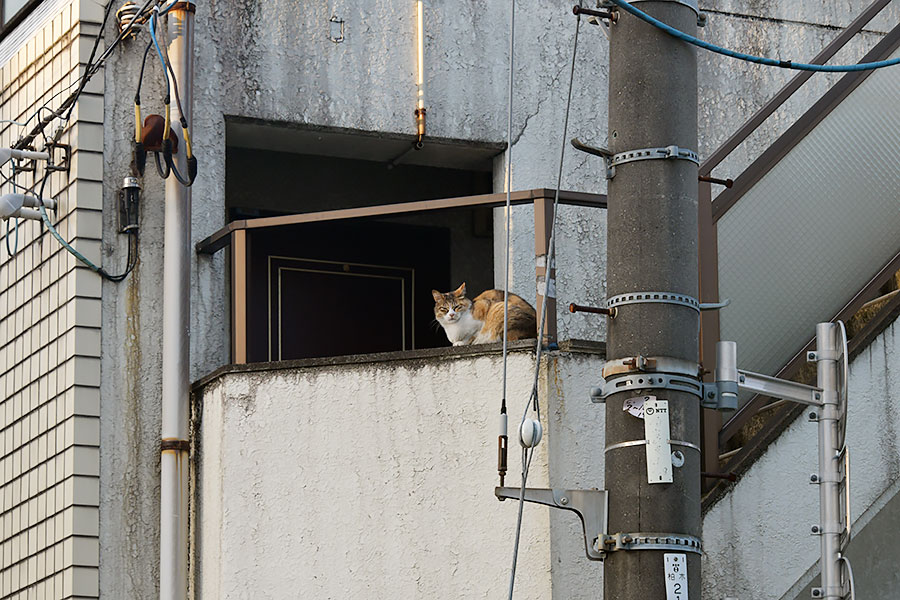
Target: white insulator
[[127, 13], [530, 433]]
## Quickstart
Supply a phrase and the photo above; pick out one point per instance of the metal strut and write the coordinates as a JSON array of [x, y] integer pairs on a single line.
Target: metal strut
[[591, 506]]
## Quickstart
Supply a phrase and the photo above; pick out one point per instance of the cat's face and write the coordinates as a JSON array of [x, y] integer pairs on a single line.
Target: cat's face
[[450, 307]]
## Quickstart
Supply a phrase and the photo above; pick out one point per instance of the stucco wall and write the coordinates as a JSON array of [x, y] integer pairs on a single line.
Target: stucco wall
[[765, 520], [376, 481], [273, 61], [50, 323]]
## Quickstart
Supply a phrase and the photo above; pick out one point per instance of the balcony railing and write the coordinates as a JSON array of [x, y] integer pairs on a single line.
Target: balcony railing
[[235, 236], [719, 438]]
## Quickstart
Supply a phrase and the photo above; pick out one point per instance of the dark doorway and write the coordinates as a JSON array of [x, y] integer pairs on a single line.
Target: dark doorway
[[325, 289]]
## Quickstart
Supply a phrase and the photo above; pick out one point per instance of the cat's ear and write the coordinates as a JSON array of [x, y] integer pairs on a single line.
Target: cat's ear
[[437, 295], [460, 292]]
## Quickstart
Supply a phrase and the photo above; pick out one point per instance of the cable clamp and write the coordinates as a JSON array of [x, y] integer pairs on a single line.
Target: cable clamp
[[647, 364], [661, 153], [648, 381], [631, 443], [651, 541], [663, 298]]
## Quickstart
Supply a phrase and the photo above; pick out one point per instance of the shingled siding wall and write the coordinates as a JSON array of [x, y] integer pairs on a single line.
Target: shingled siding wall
[[50, 324]]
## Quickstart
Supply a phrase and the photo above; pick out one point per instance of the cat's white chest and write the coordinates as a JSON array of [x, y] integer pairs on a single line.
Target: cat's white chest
[[464, 330]]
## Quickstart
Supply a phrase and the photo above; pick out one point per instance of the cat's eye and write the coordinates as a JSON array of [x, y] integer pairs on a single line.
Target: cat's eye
[[443, 309]]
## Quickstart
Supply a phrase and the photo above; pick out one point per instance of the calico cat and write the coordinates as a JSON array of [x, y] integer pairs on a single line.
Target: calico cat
[[480, 321]]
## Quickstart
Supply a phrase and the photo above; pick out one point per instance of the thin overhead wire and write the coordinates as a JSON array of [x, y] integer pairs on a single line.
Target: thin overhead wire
[[528, 453], [770, 62]]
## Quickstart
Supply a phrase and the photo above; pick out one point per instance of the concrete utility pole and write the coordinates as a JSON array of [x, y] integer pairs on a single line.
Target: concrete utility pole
[[652, 247]]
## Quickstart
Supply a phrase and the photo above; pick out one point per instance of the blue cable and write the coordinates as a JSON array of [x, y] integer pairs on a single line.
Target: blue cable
[[771, 62], [159, 52]]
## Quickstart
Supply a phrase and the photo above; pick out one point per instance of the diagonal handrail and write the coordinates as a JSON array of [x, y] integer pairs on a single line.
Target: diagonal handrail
[[723, 151], [713, 210]]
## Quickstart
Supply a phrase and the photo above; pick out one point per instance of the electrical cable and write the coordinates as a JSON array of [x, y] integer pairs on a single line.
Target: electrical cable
[[137, 95], [503, 414], [132, 243], [528, 453], [171, 167], [771, 62], [85, 78], [90, 71]]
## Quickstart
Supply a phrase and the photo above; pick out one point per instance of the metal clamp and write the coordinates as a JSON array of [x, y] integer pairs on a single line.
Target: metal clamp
[[645, 364], [620, 158], [626, 383], [632, 443], [663, 298], [591, 506], [651, 541]]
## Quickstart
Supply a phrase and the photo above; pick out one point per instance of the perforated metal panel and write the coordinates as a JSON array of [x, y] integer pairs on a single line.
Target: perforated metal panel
[[815, 229]]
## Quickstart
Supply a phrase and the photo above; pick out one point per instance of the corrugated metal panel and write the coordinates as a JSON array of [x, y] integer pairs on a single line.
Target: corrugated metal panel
[[815, 229]]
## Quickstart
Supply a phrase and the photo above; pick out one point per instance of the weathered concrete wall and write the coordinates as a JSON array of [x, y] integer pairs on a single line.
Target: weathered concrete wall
[[272, 61], [765, 520], [376, 481]]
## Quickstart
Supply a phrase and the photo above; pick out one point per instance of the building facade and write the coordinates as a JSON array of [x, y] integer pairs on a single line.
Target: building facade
[[302, 108]]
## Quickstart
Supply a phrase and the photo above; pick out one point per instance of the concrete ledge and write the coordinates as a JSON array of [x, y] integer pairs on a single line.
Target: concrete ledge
[[446, 353]]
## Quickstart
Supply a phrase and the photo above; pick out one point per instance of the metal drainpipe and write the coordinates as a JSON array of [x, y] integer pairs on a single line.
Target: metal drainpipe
[[174, 467]]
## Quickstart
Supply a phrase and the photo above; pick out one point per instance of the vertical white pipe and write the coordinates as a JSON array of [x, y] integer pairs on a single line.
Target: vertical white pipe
[[173, 536], [829, 469], [420, 54]]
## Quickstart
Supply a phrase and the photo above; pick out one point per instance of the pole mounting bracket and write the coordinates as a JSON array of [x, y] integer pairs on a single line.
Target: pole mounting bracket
[[591, 506], [652, 541], [663, 298], [612, 160], [646, 381]]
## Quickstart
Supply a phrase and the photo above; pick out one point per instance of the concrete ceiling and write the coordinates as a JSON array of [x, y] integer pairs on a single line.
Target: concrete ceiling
[[361, 145]]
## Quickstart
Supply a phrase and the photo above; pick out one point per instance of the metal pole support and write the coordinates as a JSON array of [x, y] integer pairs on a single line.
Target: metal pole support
[[828, 349]]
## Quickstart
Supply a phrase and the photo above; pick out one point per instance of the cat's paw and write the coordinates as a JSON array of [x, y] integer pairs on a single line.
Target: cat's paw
[[459, 343]]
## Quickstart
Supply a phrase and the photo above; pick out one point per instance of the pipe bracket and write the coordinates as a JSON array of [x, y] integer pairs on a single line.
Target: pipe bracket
[[181, 445]]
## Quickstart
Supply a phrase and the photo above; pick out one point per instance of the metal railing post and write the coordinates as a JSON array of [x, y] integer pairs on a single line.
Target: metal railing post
[[543, 220], [239, 292]]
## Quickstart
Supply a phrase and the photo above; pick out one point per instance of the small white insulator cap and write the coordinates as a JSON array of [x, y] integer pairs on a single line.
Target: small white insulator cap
[[530, 433]]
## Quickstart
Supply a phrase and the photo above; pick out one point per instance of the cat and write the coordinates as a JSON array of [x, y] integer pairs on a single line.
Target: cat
[[480, 321]]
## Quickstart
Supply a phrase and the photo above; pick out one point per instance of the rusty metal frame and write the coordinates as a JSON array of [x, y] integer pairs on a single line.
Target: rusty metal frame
[[239, 258], [787, 413], [792, 86], [748, 410], [713, 433], [236, 236], [805, 124], [543, 221]]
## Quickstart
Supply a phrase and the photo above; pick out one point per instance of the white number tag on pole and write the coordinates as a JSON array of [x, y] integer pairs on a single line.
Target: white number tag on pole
[[676, 576], [656, 430]]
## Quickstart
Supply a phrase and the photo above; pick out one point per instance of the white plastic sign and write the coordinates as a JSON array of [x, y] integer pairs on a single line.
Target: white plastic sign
[[676, 576], [656, 430]]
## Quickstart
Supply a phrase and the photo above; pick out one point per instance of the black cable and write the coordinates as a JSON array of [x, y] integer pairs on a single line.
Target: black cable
[[90, 71], [131, 261], [159, 166], [87, 76], [137, 94]]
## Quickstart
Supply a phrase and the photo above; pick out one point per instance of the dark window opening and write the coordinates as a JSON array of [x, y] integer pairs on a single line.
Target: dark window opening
[[354, 285]]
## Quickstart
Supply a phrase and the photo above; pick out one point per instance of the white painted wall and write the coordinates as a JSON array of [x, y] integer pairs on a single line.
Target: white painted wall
[[376, 481], [272, 61], [757, 538]]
